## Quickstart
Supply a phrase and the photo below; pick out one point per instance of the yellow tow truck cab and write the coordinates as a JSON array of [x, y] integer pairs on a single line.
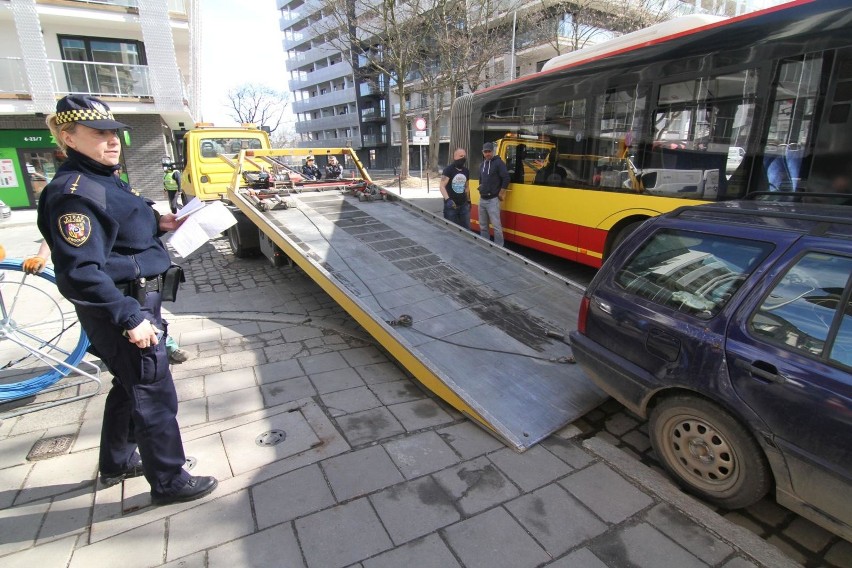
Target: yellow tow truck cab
[[209, 152]]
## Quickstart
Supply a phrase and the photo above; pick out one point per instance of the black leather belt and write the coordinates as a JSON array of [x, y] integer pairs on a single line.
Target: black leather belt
[[134, 287]]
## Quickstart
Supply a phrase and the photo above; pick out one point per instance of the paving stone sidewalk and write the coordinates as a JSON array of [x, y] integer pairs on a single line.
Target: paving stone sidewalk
[[373, 471]]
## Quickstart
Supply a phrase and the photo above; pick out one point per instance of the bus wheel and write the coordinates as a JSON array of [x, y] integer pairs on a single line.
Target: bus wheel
[[622, 235]]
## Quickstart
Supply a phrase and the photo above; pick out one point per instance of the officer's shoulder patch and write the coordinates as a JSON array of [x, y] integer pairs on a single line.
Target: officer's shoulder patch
[[75, 228]]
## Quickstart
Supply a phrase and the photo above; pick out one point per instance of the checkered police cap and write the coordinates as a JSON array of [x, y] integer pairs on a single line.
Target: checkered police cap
[[88, 111]]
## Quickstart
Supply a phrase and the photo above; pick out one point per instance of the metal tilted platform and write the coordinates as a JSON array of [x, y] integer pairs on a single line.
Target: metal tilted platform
[[478, 325]]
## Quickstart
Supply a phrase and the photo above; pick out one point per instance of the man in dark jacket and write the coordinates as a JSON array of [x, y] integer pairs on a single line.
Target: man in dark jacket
[[493, 181]]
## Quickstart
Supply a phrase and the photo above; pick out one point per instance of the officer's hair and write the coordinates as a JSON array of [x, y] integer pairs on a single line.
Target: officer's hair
[[55, 129]]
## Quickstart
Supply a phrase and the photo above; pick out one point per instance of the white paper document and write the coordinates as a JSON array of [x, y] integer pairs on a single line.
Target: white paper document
[[194, 205], [207, 222]]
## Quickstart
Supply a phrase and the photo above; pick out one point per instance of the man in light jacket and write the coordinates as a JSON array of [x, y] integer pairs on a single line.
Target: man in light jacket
[[493, 181]]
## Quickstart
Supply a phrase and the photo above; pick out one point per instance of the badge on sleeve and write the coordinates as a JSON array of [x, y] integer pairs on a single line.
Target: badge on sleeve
[[75, 228]]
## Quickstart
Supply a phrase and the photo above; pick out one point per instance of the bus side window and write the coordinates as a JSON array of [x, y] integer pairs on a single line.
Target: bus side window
[[786, 155]]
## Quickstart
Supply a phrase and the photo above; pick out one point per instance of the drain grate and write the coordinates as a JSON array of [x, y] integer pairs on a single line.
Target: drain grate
[[271, 438], [50, 447]]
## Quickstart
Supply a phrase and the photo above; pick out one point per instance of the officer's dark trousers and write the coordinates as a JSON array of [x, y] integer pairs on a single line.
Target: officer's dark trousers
[[141, 406]]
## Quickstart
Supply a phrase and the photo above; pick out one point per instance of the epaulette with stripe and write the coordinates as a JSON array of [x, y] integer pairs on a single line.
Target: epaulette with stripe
[[75, 183]]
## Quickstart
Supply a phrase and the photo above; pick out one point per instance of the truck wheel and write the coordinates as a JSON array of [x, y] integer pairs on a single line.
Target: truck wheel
[[243, 238], [708, 452]]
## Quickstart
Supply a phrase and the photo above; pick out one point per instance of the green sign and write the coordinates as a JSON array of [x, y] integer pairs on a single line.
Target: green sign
[[26, 139]]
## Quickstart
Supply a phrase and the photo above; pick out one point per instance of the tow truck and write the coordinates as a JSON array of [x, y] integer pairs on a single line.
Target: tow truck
[[483, 328]]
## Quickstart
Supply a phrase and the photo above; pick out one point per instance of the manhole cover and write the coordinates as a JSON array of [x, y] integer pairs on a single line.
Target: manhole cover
[[190, 463], [50, 447], [271, 438]]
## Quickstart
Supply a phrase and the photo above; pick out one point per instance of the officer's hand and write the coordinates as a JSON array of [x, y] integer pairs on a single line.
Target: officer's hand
[[170, 222], [33, 265], [143, 335]]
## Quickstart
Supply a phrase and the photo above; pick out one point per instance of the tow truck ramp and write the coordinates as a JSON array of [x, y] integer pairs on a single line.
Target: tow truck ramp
[[478, 325]]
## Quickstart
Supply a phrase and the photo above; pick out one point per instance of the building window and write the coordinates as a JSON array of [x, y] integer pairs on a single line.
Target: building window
[[104, 66]]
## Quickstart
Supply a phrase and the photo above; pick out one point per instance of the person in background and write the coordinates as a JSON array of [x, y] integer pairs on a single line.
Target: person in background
[[493, 182], [310, 171], [36, 263], [172, 183], [109, 261], [333, 170], [455, 189]]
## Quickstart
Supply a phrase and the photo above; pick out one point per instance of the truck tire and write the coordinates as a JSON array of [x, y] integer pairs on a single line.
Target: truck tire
[[243, 237]]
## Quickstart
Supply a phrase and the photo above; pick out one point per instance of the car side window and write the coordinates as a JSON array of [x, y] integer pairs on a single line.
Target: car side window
[[694, 273], [804, 308]]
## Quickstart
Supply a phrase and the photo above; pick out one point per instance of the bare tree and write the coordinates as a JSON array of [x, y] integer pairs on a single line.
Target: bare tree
[[285, 136], [258, 104], [387, 33], [569, 25], [460, 41]]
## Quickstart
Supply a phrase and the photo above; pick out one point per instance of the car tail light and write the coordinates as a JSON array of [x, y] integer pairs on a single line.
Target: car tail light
[[584, 313]]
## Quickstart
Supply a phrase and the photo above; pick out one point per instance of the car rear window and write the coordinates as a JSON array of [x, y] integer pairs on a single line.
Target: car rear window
[[694, 273]]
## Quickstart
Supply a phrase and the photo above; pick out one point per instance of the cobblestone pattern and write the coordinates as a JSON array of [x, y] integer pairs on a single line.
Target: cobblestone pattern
[[800, 539]]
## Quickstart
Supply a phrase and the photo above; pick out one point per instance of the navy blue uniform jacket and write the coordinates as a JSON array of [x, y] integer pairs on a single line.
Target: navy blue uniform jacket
[[100, 233]]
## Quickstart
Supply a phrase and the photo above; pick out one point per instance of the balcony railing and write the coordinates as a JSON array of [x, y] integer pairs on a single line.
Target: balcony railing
[[373, 113], [375, 139], [12, 77], [106, 79], [343, 96], [368, 89]]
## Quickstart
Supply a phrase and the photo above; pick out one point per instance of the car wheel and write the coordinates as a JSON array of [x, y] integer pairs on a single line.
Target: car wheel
[[709, 452]]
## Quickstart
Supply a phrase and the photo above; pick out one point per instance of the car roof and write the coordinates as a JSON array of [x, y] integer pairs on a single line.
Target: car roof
[[804, 218]]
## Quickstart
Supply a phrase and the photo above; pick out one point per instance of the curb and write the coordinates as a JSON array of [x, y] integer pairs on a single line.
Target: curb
[[746, 542]]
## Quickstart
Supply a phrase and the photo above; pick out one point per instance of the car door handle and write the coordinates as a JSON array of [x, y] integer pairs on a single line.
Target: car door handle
[[765, 371]]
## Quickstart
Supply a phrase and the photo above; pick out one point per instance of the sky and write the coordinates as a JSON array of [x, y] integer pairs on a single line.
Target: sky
[[241, 43]]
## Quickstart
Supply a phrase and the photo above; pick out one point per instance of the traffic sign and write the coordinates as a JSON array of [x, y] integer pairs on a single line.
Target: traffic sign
[[420, 141], [420, 123]]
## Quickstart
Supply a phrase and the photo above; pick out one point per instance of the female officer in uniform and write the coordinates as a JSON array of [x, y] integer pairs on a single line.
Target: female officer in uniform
[[108, 260]]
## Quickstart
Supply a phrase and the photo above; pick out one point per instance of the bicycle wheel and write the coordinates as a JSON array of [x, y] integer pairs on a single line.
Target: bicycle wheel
[[41, 342]]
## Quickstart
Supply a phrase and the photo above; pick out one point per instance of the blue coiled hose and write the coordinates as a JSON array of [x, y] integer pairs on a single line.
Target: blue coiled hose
[[30, 387]]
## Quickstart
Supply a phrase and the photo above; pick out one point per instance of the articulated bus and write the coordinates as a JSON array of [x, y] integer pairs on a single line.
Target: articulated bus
[[696, 109]]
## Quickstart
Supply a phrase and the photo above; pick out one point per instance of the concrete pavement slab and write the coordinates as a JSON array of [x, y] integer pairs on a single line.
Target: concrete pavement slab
[[342, 535], [414, 509], [291, 495], [605, 492], [494, 539], [427, 552], [532, 469], [224, 519], [360, 472], [476, 485], [555, 519], [276, 546], [421, 454]]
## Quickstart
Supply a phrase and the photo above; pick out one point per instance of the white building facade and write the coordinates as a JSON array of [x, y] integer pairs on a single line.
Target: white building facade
[[136, 55]]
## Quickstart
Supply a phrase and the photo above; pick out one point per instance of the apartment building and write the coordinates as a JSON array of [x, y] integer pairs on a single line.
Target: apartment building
[[321, 79], [134, 54]]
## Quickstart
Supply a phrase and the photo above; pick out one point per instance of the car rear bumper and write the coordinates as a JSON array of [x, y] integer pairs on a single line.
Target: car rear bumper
[[616, 376]]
